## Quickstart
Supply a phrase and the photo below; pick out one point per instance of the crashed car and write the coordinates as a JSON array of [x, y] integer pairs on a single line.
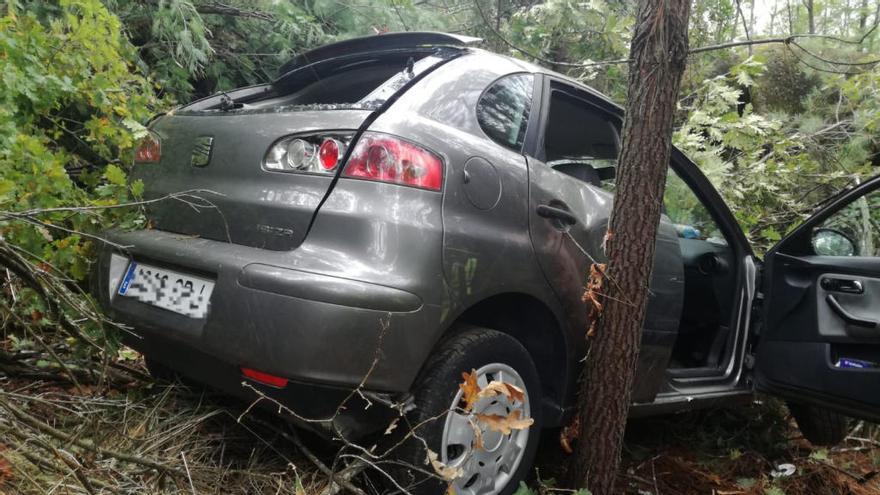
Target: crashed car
[[394, 211]]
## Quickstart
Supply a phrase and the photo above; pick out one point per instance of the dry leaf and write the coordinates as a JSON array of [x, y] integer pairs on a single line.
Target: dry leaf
[[505, 424], [6, 472], [444, 471], [392, 426], [45, 233], [569, 434], [495, 387], [469, 388], [450, 490], [138, 431], [595, 291], [478, 435]]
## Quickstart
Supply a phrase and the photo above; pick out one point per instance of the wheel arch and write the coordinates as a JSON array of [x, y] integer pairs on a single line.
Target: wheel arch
[[533, 323]]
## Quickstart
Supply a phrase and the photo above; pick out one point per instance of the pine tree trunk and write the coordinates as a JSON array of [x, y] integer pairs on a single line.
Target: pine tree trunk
[[659, 53]]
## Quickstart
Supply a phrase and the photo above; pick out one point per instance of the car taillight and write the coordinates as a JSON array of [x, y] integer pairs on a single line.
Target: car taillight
[[316, 153], [328, 154], [149, 150], [386, 158]]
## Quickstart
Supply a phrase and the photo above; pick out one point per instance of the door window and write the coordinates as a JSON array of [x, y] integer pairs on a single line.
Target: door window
[[690, 216], [853, 230], [503, 110], [579, 140]]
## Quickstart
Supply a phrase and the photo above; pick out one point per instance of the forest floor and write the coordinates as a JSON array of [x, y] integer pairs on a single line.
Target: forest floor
[[127, 434]]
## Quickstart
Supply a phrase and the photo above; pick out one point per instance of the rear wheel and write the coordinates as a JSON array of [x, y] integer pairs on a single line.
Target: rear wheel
[[819, 425], [448, 430]]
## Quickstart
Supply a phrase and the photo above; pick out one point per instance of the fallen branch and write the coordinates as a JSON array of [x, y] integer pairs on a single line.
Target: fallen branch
[[70, 439]]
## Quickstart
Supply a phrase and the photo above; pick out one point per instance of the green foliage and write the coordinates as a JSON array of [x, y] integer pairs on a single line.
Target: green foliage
[[771, 168], [576, 32], [71, 104], [784, 83], [195, 48]]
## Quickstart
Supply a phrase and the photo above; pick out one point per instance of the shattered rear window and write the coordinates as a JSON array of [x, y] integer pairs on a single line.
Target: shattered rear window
[[362, 82]]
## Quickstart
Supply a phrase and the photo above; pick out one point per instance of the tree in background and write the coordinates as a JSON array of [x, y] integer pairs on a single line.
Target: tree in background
[[658, 56]]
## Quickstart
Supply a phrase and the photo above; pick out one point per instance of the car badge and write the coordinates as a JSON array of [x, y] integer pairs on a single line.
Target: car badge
[[201, 153]]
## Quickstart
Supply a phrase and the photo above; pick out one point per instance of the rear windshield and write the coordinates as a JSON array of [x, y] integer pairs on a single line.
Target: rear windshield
[[362, 81]]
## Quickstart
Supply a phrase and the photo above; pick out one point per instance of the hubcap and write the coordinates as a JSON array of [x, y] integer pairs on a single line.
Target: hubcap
[[486, 470]]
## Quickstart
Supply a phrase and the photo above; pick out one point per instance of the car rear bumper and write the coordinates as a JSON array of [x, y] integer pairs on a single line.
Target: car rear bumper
[[281, 316], [315, 407]]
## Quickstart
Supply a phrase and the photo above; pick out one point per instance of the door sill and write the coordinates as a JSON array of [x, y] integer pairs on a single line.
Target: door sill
[[702, 372]]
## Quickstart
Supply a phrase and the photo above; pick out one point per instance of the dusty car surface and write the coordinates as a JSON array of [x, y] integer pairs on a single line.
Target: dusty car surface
[[395, 210]]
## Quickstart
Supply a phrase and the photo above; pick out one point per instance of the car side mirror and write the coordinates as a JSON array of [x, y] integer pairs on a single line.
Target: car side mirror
[[831, 242]]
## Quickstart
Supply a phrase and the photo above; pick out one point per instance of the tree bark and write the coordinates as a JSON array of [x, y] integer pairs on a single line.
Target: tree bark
[[811, 18], [658, 56]]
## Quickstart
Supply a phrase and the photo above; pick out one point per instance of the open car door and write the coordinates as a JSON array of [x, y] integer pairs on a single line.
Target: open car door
[[820, 342]]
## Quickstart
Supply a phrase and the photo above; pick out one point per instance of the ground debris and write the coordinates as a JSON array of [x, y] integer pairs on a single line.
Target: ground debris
[[736, 451], [145, 438]]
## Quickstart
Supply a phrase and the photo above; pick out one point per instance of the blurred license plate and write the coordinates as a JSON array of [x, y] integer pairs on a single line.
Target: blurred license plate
[[167, 289]]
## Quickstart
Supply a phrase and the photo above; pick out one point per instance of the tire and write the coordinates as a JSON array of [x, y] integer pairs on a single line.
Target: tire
[[819, 425], [495, 353]]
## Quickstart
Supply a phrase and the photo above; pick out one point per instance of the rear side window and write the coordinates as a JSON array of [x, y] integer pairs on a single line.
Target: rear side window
[[503, 110]]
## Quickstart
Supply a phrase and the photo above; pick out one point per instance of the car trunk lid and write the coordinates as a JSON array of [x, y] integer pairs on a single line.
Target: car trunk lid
[[231, 198], [212, 151]]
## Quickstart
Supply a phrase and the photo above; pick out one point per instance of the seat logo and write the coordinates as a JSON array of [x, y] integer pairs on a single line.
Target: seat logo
[[201, 153]]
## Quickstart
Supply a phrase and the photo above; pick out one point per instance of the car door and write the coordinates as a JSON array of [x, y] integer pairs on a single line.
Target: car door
[[820, 341], [569, 205]]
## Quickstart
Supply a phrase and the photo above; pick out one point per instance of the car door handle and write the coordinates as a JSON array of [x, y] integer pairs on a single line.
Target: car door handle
[[849, 317], [564, 216], [848, 286]]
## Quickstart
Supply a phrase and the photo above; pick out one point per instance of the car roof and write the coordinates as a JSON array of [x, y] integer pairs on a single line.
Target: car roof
[[423, 39], [533, 68]]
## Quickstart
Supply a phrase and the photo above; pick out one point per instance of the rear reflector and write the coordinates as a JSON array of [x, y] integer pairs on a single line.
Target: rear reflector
[[385, 158], [264, 378], [149, 150]]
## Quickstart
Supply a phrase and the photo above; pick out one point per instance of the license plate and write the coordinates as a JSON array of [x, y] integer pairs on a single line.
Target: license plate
[[184, 294]]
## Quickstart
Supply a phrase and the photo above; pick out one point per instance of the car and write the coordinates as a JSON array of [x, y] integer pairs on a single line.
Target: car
[[392, 212]]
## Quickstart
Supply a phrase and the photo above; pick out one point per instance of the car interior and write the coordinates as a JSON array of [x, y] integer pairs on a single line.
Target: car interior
[[341, 81], [704, 333], [582, 143]]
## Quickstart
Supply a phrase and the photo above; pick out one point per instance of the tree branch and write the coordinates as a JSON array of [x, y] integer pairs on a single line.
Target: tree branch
[[223, 9], [72, 439], [785, 40]]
